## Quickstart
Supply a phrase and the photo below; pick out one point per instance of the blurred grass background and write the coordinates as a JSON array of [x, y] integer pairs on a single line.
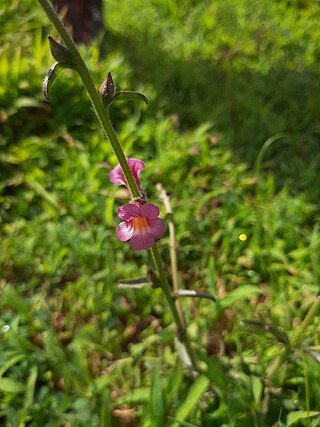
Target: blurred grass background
[[232, 133]]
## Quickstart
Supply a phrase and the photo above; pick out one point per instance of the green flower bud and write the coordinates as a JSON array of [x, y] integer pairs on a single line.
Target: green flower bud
[[61, 53]]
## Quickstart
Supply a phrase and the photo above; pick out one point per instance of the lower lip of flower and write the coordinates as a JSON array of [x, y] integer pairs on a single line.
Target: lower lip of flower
[[140, 224]]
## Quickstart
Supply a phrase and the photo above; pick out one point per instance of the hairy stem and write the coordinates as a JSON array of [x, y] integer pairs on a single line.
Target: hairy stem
[[100, 110], [103, 117], [172, 245], [167, 292]]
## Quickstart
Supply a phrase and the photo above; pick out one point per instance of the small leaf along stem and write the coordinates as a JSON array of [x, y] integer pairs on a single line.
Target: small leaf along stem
[[103, 116]]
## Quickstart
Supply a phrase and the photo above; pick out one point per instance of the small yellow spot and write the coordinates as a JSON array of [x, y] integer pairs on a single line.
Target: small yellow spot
[[243, 237]]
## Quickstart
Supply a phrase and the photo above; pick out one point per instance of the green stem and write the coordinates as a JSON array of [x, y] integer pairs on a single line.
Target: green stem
[[167, 292], [172, 246], [101, 112], [104, 118]]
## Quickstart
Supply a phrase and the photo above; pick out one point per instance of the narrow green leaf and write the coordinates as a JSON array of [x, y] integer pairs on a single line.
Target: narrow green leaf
[[216, 373], [11, 362], [141, 395], [183, 423], [10, 386], [137, 349], [27, 102], [28, 401], [194, 395], [100, 383], [31, 387], [156, 399], [128, 95], [264, 149], [241, 293], [106, 409], [173, 383], [52, 74], [257, 389], [296, 416]]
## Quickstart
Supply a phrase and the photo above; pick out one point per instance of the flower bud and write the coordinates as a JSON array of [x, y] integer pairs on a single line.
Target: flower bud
[[107, 88], [60, 53]]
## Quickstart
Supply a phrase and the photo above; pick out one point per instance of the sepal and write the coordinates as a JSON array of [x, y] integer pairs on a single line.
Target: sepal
[[61, 53]]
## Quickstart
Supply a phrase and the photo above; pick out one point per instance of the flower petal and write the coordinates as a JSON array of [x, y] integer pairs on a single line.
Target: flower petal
[[128, 211], [136, 166], [124, 231], [142, 240], [116, 176], [156, 227], [149, 211]]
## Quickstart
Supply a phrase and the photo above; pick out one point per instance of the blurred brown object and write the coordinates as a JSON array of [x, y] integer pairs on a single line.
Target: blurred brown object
[[83, 16]]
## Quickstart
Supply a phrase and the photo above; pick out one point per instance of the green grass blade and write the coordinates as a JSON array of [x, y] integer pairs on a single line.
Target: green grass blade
[[194, 395], [295, 417], [156, 398]]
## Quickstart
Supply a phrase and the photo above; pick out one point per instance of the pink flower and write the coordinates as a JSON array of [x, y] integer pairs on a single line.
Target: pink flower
[[117, 177], [141, 225]]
